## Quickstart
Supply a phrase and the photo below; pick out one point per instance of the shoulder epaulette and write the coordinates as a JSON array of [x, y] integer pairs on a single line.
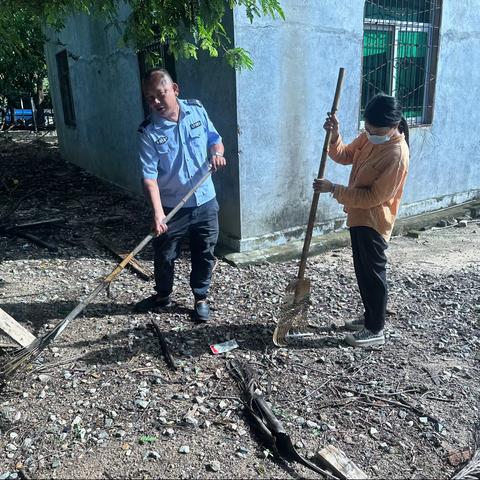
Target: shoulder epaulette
[[194, 101], [144, 124]]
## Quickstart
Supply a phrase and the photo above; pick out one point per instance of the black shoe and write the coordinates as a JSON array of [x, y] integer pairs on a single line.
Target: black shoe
[[152, 303], [201, 311]]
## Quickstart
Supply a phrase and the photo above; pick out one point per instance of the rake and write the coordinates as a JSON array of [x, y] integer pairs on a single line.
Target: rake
[[293, 312], [23, 357]]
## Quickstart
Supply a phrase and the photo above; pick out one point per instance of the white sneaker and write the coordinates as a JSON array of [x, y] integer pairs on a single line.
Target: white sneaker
[[365, 338], [355, 325]]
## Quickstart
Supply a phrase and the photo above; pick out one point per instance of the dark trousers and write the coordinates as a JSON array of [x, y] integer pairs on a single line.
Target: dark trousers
[[201, 226], [370, 263]]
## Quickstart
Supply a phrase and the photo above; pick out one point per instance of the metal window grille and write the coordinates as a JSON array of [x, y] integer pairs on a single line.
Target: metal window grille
[[400, 49], [65, 88]]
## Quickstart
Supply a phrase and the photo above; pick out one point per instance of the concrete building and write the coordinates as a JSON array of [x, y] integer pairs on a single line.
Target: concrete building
[[425, 51]]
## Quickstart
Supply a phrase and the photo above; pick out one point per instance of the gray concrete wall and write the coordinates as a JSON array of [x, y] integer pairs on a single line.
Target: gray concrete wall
[[106, 97], [282, 106], [445, 157], [281, 109]]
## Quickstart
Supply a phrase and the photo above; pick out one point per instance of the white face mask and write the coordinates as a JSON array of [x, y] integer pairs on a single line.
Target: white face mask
[[378, 139]]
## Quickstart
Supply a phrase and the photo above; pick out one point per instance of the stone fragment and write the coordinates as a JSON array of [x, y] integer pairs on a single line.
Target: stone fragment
[[141, 403], [214, 466], [152, 454]]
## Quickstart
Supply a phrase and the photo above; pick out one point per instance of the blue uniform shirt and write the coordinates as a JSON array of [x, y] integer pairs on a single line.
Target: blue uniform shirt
[[175, 153]]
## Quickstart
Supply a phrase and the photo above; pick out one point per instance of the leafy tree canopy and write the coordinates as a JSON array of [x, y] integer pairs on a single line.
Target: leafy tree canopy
[[22, 62], [186, 26]]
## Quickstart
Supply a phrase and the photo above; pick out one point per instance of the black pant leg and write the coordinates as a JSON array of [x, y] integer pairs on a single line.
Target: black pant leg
[[167, 249], [358, 267], [372, 275], [203, 235]]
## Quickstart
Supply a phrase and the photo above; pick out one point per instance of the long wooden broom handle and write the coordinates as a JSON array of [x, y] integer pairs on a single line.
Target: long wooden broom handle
[[321, 171], [109, 278]]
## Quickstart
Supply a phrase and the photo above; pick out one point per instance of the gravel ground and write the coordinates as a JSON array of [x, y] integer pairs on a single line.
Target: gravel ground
[[102, 403]]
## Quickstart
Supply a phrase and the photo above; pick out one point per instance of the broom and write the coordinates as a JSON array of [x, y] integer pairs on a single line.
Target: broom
[[24, 356], [297, 295]]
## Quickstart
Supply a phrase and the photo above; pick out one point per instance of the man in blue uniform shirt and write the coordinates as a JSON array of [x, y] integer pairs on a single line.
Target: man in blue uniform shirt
[[173, 145]]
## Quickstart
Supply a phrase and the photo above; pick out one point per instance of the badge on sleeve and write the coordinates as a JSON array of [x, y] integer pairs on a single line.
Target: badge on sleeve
[[161, 140], [195, 124]]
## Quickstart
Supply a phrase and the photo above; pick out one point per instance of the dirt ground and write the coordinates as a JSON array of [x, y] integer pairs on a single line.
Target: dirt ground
[[102, 403]]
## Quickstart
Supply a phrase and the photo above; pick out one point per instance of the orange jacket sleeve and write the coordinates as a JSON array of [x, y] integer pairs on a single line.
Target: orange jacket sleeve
[[343, 153], [383, 189]]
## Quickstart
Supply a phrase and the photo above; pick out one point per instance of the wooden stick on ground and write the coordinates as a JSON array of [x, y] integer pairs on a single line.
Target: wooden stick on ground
[[335, 460], [401, 403], [143, 271], [35, 223], [163, 345], [14, 330]]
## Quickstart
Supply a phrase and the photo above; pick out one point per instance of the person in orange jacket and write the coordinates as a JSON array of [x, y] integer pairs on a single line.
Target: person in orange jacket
[[379, 158]]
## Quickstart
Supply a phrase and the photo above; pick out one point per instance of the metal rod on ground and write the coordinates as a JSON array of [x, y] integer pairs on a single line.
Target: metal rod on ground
[[24, 356], [295, 305]]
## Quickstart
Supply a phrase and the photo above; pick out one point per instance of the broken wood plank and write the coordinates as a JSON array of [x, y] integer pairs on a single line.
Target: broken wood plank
[[143, 271], [334, 459], [14, 330], [163, 345]]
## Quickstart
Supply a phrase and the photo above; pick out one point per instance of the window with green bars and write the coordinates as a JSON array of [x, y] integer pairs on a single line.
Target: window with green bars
[[400, 47]]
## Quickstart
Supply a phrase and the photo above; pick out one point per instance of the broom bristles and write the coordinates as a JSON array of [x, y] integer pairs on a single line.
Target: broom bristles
[[20, 358], [24, 356], [292, 315], [471, 471]]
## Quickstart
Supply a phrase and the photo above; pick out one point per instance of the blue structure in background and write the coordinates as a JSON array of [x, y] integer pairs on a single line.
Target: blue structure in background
[[24, 115]]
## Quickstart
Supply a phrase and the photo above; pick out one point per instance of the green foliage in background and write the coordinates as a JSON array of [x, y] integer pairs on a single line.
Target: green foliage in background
[[186, 26]]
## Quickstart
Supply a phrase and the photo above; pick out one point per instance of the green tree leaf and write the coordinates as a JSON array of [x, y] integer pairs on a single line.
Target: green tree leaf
[[186, 26]]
